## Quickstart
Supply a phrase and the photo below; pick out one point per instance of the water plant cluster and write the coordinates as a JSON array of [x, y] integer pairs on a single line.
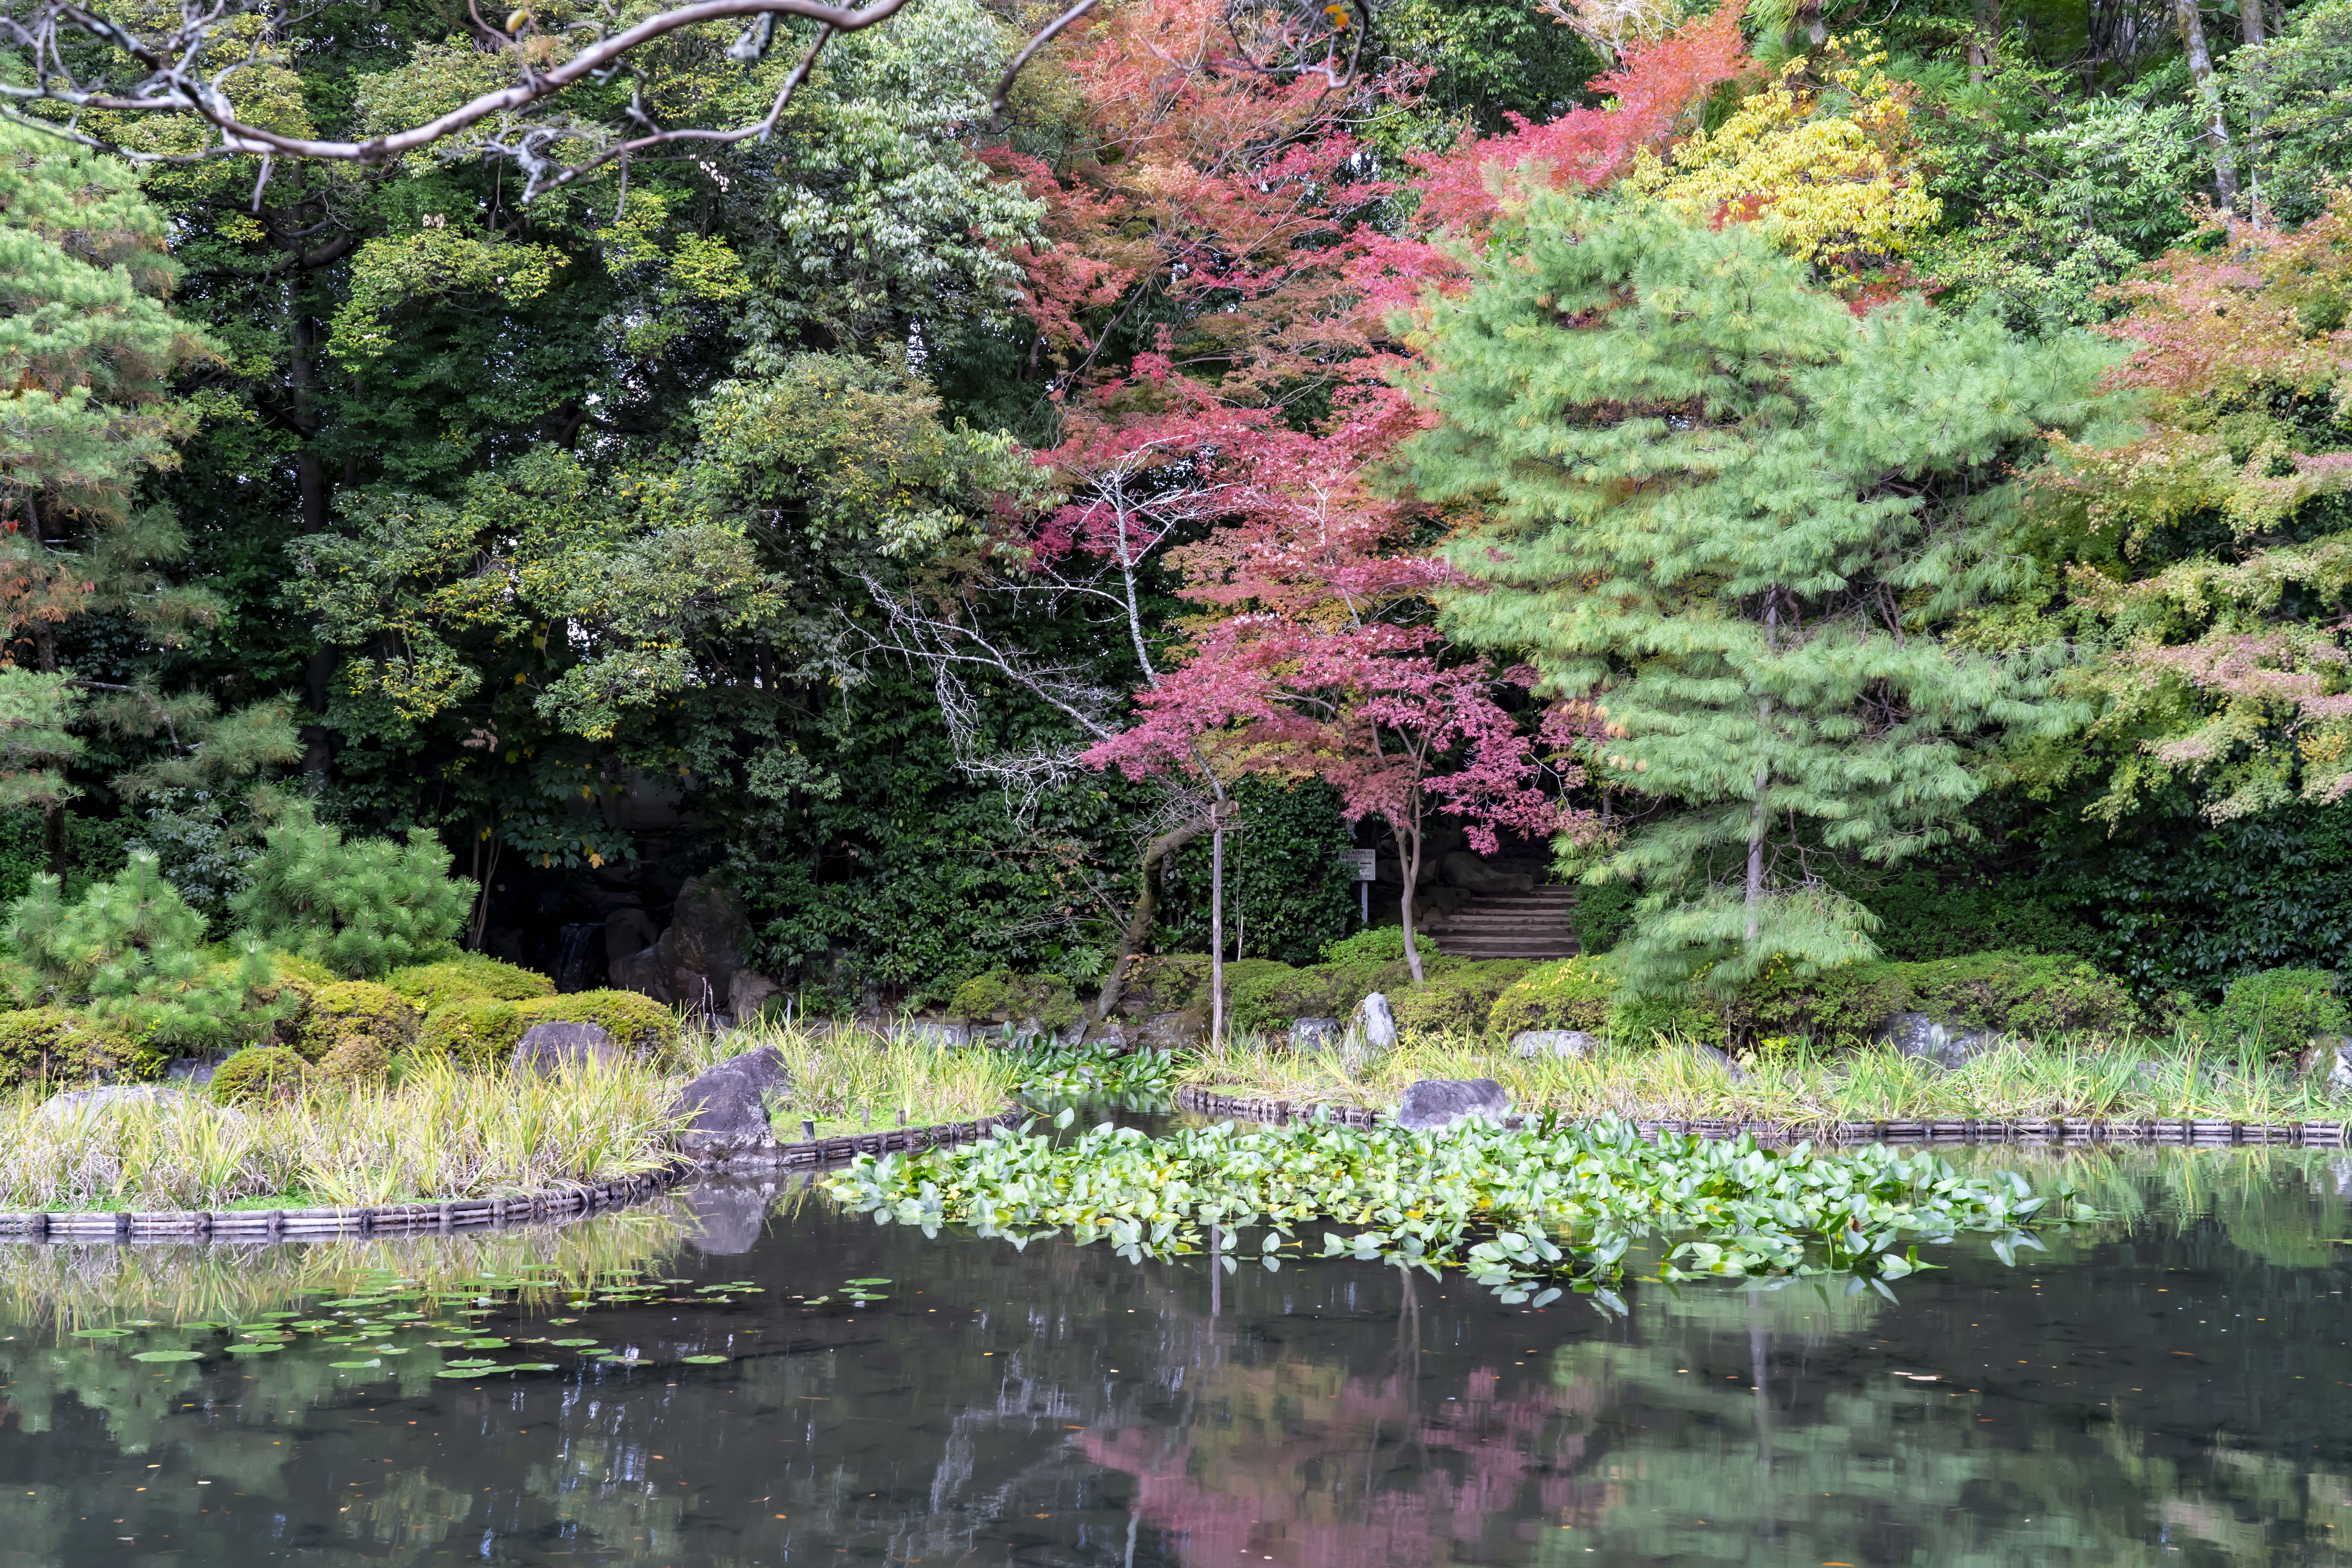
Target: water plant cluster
[[1513, 1205], [1096, 1073]]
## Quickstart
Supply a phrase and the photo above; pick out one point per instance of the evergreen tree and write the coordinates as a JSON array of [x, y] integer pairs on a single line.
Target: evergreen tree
[[1741, 522], [362, 907], [133, 952]]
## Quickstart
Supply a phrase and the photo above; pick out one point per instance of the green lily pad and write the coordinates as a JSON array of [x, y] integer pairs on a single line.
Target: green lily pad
[[342, 1339], [534, 1366], [559, 1322], [99, 1334], [254, 1349], [571, 1344], [445, 1345], [353, 1365], [482, 1344], [462, 1371], [168, 1356], [318, 1323], [390, 1349], [704, 1360]]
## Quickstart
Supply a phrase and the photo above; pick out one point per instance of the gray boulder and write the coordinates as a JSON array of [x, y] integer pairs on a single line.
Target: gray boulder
[[1571, 1045], [1316, 1034], [2329, 1059], [1174, 1031], [547, 1046], [748, 992], [931, 1032], [1922, 1038], [1375, 1025], [628, 932], [1732, 1069], [193, 1072], [726, 1109], [106, 1097], [1435, 1103]]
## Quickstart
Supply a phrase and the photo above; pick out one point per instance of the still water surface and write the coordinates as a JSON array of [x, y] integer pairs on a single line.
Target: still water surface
[[2174, 1386]]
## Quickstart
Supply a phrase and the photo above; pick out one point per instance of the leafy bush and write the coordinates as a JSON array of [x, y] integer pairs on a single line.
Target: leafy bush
[[1603, 915], [1173, 982], [474, 976], [350, 1007], [1006, 996], [1378, 944], [478, 1031], [134, 953], [362, 907], [1573, 993], [356, 1059], [262, 1072], [2279, 1010], [1459, 999], [52, 1045], [1288, 880], [636, 1023], [2030, 994]]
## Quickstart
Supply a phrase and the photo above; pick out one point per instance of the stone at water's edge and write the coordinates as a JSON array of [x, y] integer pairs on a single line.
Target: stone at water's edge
[[1316, 1034], [93, 1101], [728, 1115], [1569, 1045], [1435, 1103], [546, 1046], [2329, 1058], [1736, 1073], [1921, 1038], [1375, 1025]]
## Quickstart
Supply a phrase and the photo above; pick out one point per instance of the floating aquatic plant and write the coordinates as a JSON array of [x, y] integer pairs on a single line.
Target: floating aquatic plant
[[1511, 1206]]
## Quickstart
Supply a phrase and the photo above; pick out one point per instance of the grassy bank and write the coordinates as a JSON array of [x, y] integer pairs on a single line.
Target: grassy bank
[[2173, 1078], [441, 1132], [849, 1081]]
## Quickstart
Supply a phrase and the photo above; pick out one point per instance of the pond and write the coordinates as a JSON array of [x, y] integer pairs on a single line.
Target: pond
[[2169, 1385]]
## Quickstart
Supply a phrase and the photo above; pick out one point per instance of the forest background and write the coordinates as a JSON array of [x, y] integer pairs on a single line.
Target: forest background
[[931, 519]]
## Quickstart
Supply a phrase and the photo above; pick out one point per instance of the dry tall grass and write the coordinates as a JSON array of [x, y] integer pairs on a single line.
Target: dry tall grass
[[846, 1079], [2177, 1079]]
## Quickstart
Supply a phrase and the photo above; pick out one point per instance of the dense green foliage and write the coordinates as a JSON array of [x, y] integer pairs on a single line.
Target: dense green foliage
[[2279, 1010], [361, 907]]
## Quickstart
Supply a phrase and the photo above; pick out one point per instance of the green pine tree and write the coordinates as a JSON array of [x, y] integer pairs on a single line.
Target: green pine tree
[[132, 953], [1743, 521], [361, 907]]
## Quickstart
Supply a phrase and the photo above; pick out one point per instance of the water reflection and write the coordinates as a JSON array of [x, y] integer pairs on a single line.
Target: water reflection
[[2165, 1388]]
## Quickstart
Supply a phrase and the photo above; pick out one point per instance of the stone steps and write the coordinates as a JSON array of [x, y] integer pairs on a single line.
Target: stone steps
[[1509, 925]]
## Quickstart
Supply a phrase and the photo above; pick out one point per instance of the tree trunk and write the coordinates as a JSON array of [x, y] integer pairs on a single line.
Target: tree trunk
[[1984, 41], [1146, 906], [311, 487], [2209, 100], [1758, 817], [2250, 21], [53, 815], [1409, 846], [1217, 928]]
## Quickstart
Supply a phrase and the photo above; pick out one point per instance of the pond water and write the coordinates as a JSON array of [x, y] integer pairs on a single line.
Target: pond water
[[2169, 1387]]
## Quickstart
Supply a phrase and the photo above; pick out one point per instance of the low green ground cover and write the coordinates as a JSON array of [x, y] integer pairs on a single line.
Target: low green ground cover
[[1512, 1206]]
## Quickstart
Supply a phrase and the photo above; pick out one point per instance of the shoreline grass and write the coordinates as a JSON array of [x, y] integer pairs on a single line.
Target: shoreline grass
[[2173, 1078], [849, 1081]]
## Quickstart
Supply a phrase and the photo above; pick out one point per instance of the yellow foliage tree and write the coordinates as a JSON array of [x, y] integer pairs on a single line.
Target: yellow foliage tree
[[1827, 165]]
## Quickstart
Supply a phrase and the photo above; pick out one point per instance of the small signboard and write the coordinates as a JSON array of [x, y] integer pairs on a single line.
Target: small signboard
[[1368, 864]]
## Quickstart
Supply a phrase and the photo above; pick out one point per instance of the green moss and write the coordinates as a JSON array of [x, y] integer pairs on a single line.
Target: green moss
[[467, 975], [52, 1045], [478, 1031], [356, 1059], [636, 1023], [1458, 998], [1007, 996], [356, 1007], [261, 1072], [1573, 993], [2279, 1010]]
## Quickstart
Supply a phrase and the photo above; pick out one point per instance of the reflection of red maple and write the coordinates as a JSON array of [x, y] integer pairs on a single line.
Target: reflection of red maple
[[1316, 1469]]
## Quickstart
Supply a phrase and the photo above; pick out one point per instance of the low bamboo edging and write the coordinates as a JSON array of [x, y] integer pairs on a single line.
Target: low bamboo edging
[[443, 1216], [2069, 1129]]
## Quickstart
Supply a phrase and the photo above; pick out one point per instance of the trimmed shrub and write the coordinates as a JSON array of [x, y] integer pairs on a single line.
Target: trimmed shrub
[[356, 1007], [1172, 982], [636, 1023], [2030, 994], [476, 1031], [1378, 944], [469, 975], [2278, 1011], [356, 1059], [53, 1044], [362, 907], [1007, 996], [1602, 916], [1572, 993], [260, 1072], [1459, 999]]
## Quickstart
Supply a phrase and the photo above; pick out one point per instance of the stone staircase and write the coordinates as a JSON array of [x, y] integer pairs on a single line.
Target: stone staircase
[[1508, 925]]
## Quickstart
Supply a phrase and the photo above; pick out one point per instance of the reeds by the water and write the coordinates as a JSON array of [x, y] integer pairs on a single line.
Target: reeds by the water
[[848, 1080], [2160, 1079], [439, 1132]]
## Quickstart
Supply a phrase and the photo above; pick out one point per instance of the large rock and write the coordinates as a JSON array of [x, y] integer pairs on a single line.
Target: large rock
[[726, 1112], [1923, 1039], [1464, 869], [547, 1046], [703, 947], [748, 992], [107, 1097], [1569, 1045], [1435, 1103], [1317, 1034], [729, 1216], [1173, 1031], [1731, 1070], [628, 932], [1375, 1025], [2328, 1058], [932, 1032]]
